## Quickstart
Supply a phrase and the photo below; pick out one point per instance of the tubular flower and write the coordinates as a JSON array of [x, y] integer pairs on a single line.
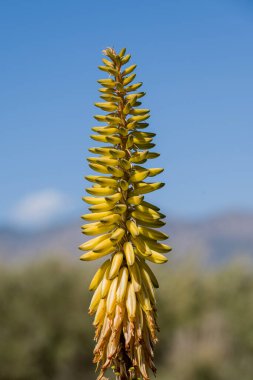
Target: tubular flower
[[123, 303]]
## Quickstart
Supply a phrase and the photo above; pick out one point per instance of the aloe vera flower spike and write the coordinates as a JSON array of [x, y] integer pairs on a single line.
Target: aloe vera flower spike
[[123, 226]]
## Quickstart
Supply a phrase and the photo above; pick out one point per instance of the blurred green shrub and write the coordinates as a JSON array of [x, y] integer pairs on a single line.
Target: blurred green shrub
[[206, 321], [45, 333]]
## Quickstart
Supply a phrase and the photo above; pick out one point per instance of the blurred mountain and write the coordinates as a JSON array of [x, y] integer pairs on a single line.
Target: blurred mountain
[[214, 240]]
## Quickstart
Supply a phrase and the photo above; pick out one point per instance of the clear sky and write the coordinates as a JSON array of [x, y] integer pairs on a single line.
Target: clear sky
[[196, 61]]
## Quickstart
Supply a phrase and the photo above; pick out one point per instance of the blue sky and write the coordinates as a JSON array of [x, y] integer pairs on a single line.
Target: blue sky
[[195, 59]]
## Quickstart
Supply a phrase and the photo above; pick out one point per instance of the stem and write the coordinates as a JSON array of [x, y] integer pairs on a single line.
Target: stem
[[126, 360], [126, 363], [121, 106]]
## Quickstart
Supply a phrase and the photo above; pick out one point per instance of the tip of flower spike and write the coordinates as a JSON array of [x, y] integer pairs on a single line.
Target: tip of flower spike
[[109, 51]]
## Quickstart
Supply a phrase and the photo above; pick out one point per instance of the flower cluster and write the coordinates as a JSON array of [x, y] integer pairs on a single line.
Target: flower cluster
[[124, 298]]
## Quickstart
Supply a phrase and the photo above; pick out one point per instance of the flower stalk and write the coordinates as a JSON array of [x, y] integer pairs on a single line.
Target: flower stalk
[[123, 302]]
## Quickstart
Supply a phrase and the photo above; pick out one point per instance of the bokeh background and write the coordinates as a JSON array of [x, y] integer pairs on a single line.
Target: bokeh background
[[195, 58]]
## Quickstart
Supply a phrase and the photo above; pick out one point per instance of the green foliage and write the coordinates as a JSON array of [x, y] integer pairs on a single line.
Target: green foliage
[[206, 320], [44, 330]]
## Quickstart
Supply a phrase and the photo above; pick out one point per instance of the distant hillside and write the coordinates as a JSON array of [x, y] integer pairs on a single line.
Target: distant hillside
[[215, 240]]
